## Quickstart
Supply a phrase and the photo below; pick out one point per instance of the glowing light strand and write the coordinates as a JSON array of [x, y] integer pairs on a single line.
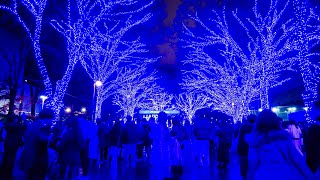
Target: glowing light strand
[[230, 85], [307, 37], [102, 50], [135, 90], [190, 102], [274, 44]]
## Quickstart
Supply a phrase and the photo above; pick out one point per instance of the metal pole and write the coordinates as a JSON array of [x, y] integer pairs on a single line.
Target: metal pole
[[42, 103], [93, 102]]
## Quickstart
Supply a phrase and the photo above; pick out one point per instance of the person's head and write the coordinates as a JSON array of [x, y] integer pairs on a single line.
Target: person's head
[[162, 118], [175, 121], [316, 111], [293, 122], [267, 121], [46, 114], [285, 124], [152, 120], [99, 121], [251, 118]]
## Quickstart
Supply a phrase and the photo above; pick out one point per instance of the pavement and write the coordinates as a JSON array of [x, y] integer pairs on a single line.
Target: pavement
[[144, 171]]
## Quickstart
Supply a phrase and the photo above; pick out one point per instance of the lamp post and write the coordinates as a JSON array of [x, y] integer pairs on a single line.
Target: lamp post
[[43, 98], [95, 85]]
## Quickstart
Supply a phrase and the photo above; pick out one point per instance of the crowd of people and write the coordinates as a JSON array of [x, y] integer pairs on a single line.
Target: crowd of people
[[267, 147]]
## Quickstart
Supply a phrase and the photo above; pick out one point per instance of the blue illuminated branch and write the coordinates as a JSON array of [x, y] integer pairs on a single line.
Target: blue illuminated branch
[[190, 102], [134, 89], [97, 40], [307, 37]]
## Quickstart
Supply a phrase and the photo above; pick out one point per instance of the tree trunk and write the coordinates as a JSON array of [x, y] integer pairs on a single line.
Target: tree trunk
[[12, 99], [21, 101], [264, 97]]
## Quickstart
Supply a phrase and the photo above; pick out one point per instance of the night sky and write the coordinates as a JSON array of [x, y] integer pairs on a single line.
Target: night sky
[[161, 34]]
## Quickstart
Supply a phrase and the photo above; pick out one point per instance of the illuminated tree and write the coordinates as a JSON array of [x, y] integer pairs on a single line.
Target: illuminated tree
[[133, 92], [159, 100], [101, 28], [190, 102], [307, 37], [55, 94], [231, 82], [272, 35]]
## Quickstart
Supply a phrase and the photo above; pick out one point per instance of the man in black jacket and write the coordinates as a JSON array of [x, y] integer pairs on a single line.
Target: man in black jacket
[[312, 140], [243, 147]]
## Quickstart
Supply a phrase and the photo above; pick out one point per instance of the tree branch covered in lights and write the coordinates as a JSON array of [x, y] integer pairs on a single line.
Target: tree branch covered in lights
[[190, 102], [159, 100], [134, 91], [36, 8], [272, 35], [307, 37], [230, 85], [103, 49]]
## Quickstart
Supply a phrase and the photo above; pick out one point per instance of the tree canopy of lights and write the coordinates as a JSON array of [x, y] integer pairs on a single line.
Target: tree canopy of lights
[[104, 48], [159, 100], [37, 9], [190, 102], [307, 37], [272, 34], [137, 87], [230, 84]]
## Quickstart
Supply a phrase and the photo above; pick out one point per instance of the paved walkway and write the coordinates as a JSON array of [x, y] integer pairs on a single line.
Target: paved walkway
[[143, 171]]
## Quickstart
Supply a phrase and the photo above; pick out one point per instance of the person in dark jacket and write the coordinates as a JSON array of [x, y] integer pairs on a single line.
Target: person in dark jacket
[[243, 147], [272, 154], [114, 146], [70, 146], [12, 142], [129, 139], [34, 158], [312, 141], [202, 132]]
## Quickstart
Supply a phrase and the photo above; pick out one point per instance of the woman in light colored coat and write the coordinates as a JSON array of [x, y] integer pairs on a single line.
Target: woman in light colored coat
[[272, 154]]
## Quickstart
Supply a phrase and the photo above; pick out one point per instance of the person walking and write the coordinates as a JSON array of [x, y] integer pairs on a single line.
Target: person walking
[[34, 158], [272, 154]]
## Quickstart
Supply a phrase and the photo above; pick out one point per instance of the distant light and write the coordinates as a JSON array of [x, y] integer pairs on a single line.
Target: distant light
[[43, 97], [83, 110], [260, 110], [292, 109], [275, 110], [68, 110], [98, 83], [305, 108]]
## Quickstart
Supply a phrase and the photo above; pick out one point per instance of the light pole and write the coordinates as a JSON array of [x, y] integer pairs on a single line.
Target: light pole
[[96, 84], [43, 99]]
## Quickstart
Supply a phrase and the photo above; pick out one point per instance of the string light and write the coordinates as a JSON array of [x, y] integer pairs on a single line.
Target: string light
[[103, 50], [190, 102], [135, 91], [307, 36]]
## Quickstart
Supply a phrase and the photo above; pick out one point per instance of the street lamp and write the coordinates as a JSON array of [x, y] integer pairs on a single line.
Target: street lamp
[[68, 110], [83, 110], [275, 110], [43, 98], [95, 84]]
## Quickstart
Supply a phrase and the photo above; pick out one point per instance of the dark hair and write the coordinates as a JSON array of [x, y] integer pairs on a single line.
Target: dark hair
[[46, 114], [152, 119], [267, 121], [162, 118], [129, 118], [293, 122], [252, 118]]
